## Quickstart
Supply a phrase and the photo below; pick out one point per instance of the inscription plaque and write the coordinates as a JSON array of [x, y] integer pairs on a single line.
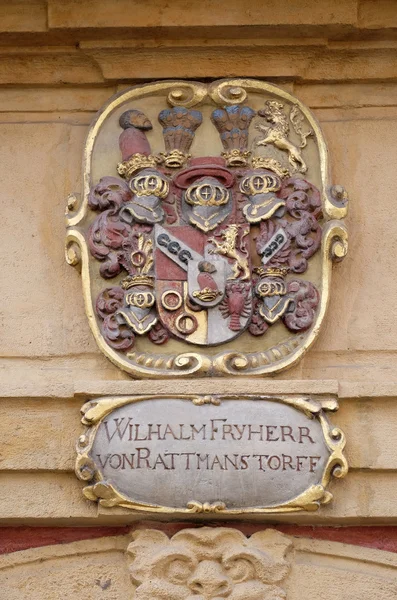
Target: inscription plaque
[[212, 454]]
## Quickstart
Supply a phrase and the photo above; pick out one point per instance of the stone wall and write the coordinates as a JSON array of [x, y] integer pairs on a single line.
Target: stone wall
[[59, 62]]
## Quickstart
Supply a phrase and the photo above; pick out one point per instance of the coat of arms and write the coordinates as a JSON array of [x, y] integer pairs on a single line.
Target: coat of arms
[[207, 229]]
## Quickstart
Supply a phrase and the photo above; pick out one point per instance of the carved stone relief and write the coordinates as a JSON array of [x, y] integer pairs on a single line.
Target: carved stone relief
[[219, 563], [207, 227], [209, 564]]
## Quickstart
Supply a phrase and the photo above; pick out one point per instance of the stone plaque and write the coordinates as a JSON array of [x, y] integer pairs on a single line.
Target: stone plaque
[[206, 229], [210, 454]]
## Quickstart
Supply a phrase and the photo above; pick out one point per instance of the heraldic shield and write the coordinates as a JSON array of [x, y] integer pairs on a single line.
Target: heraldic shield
[[206, 229]]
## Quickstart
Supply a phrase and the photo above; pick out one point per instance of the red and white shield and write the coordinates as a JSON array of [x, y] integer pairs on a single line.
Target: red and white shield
[[197, 299]]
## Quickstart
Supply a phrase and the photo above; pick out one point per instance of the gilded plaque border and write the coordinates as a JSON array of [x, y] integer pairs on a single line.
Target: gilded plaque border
[[310, 500], [334, 242]]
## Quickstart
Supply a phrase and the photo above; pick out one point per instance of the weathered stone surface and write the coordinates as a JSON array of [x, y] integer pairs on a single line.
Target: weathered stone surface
[[375, 421], [118, 60], [23, 16], [100, 567], [355, 367], [90, 389], [314, 566], [74, 98], [363, 496], [41, 496], [108, 13], [368, 149], [113, 60], [41, 66], [45, 171], [346, 95], [38, 435], [377, 14], [93, 569]]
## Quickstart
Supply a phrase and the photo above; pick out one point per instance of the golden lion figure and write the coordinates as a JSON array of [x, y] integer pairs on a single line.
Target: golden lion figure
[[277, 134], [228, 248]]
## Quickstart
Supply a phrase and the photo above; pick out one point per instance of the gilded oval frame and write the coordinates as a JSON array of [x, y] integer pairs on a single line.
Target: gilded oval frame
[[99, 490]]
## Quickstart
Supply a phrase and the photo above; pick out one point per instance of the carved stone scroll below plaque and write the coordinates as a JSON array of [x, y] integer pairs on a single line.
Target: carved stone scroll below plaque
[[210, 454]]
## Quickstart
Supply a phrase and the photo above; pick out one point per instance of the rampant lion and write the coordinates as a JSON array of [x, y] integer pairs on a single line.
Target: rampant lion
[[278, 133], [209, 564], [228, 248]]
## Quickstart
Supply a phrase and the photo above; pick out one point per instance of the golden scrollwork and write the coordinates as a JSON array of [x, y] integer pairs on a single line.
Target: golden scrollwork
[[72, 253], [227, 92], [206, 507], [72, 203], [200, 400], [338, 200], [185, 93], [94, 411]]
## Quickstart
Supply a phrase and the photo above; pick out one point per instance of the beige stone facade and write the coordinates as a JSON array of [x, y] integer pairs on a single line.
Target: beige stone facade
[[115, 568], [60, 60]]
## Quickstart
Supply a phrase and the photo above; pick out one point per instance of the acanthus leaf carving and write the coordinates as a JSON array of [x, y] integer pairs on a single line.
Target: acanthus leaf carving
[[117, 334], [305, 301]]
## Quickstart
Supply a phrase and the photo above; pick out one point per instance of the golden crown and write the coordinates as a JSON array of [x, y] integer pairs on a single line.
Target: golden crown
[[174, 159], [265, 162], [135, 163], [207, 295], [271, 271], [133, 280], [236, 157]]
